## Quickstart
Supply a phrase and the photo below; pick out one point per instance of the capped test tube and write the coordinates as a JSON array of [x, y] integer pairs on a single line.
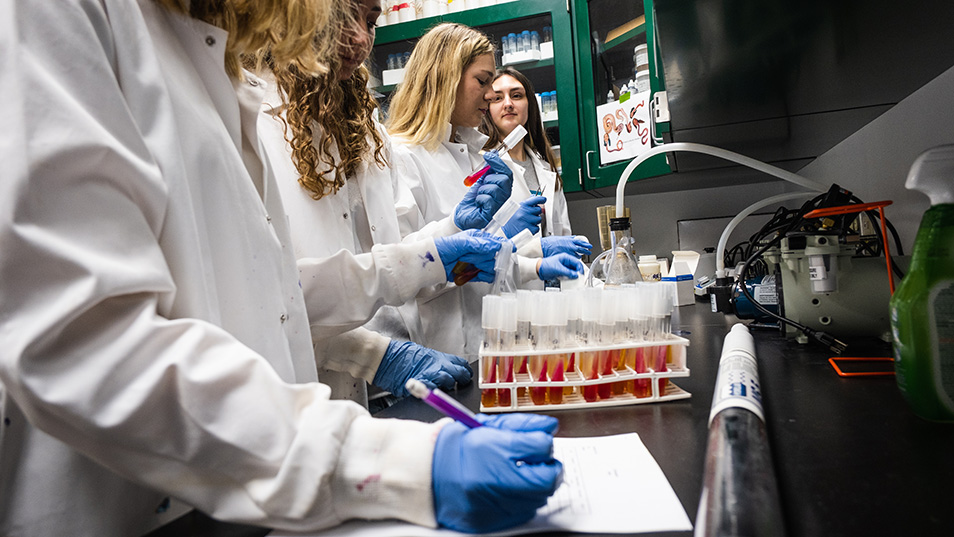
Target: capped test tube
[[606, 335], [508, 332], [639, 323], [589, 323], [556, 362], [663, 302], [622, 335], [490, 321], [574, 305], [537, 362]]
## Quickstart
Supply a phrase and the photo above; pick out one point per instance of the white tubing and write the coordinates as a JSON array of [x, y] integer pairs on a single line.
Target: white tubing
[[724, 239], [716, 152]]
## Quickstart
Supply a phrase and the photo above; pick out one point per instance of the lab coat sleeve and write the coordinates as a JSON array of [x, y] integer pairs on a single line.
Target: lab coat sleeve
[[526, 269], [533, 248], [174, 404], [358, 352], [344, 290], [411, 199]]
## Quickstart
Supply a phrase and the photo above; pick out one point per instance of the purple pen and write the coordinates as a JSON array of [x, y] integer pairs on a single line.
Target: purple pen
[[442, 402]]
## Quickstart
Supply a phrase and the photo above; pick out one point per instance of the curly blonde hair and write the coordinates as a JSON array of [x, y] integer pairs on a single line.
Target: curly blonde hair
[[296, 32], [342, 112], [423, 103]]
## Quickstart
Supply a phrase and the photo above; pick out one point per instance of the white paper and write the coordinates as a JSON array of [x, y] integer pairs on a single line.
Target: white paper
[[623, 128], [611, 484]]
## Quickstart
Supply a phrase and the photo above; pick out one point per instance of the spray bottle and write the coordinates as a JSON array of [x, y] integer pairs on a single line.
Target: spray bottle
[[922, 308]]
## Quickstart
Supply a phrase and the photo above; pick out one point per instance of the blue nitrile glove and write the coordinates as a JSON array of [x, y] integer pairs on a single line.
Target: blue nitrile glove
[[406, 360], [577, 245], [473, 247], [559, 266], [496, 476], [526, 217], [486, 196]]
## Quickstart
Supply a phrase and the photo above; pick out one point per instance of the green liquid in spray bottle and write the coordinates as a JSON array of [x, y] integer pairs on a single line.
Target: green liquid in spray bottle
[[922, 308]]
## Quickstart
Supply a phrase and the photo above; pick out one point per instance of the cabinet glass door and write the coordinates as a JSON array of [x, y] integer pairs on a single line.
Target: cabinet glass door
[[548, 68], [617, 77]]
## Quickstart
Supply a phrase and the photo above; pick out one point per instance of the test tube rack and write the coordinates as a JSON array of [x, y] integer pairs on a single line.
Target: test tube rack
[[605, 387]]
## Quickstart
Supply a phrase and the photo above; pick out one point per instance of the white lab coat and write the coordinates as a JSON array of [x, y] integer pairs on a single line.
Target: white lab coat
[[450, 321], [153, 332], [372, 207], [558, 218]]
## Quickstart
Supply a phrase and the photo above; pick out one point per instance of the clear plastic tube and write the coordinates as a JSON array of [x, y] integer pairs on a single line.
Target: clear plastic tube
[[507, 144]]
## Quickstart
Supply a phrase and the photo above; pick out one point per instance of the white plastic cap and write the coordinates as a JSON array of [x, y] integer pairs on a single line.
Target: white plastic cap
[[592, 300], [515, 136], [933, 174], [738, 339], [508, 314], [490, 312], [522, 238], [524, 305]]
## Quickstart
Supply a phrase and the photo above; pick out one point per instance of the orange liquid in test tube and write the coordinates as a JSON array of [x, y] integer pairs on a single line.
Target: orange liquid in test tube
[[625, 386], [661, 358], [570, 367], [505, 374], [642, 387], [488, 396], [607, 361], [556, 370], [589, 366], [537, 366]]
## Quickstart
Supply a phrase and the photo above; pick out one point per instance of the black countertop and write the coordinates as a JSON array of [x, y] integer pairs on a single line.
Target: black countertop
[[850, 457]]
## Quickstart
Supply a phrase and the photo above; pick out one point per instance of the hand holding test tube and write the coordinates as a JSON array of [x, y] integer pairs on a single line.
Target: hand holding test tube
[[511, 140]]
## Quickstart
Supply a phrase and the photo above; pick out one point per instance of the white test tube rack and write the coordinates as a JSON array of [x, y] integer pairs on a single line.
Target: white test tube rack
[[638, 373], [520, 389]]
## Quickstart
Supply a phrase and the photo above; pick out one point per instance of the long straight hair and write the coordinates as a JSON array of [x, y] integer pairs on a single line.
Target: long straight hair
[[422, 105], [536, 139]]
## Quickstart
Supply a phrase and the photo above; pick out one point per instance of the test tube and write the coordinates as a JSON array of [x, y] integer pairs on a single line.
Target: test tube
[[547, 34], [508, 142], [589, 319], [534, 41], [556, 362], [508, 334], [537, 362], [662, 320], [639, 322], [490, 322], [525, 41], [606, 336], [622, 335], [574, 303]]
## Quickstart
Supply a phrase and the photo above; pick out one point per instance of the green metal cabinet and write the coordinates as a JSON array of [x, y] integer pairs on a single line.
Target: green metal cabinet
[[602, 62], [576, 70]]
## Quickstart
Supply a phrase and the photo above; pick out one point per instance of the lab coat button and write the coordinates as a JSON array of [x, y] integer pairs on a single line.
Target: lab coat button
[[373, 228], [252, 82], [209, 40], [268, 218], [345, 216], [283, 318]]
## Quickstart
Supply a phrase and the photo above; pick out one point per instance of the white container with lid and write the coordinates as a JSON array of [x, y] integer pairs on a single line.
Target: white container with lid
[[649, 268]]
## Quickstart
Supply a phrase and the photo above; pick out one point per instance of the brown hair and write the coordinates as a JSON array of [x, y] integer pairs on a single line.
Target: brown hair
[[536, 139]]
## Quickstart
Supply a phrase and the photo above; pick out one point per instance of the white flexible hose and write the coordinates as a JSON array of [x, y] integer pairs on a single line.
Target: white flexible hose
[[813, 186], [724, 239], [716, 152]]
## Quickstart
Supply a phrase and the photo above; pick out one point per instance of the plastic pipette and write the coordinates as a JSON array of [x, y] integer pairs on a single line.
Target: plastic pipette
[[511, 140]]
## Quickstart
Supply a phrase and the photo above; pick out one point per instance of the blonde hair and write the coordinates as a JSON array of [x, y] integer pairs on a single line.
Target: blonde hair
[[296, 32], [422, 105]]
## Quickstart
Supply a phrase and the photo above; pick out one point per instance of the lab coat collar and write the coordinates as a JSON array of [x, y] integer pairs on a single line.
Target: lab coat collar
[[469, 136]]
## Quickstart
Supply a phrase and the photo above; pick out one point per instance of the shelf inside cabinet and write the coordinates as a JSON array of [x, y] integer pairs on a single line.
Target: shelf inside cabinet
[[617, 40], [477, 17]]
